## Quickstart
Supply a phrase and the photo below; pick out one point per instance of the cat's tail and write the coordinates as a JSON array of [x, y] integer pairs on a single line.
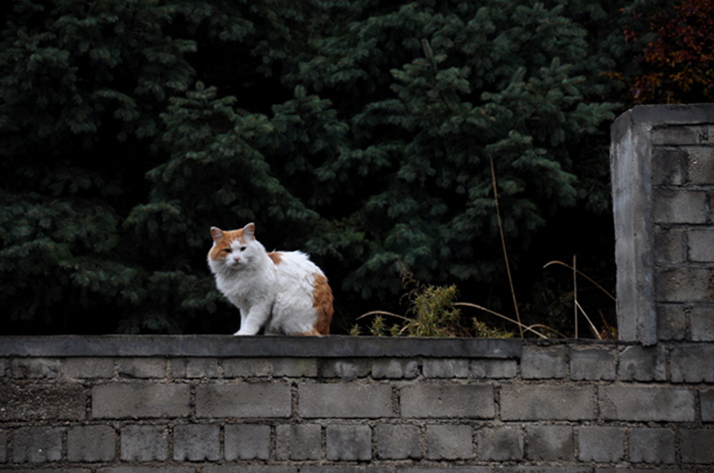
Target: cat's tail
[[322, 300]]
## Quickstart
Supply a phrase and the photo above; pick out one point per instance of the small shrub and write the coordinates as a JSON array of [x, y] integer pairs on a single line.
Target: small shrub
[[431, 313]]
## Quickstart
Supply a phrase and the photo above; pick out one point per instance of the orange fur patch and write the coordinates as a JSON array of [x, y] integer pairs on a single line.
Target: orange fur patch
[[322, 301], [314, 333], [276, 257]]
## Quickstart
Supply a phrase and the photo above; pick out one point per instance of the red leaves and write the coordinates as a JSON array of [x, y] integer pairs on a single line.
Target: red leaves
[[679, 64]]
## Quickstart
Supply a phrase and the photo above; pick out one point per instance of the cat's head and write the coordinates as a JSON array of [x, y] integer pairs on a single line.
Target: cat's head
[[234, 249]]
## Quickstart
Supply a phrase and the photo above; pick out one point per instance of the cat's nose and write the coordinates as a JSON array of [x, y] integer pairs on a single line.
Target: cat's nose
[[236, 259]]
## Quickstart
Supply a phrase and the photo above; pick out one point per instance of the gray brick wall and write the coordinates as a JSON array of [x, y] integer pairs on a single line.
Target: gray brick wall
[[557, 406], [213, 404], [663, 190]]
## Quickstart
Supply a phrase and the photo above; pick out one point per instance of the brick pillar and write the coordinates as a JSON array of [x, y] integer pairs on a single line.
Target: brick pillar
[[662, 160]]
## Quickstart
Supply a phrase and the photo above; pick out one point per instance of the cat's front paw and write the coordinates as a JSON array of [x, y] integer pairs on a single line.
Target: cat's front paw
[[243, 333]]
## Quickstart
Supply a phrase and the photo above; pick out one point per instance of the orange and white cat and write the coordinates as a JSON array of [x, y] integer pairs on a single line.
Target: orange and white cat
[[284, 292]]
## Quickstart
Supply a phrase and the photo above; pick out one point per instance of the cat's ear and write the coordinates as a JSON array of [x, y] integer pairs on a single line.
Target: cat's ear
[[249, 231], [216, 233]]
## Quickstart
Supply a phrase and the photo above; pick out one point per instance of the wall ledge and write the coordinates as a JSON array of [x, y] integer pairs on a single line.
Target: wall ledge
[[334, 346]]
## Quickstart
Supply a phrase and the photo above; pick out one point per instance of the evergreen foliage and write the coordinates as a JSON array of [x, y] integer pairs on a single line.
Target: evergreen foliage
[[358, 131]]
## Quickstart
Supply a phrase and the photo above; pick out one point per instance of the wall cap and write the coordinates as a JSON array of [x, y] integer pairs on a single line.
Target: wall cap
[[334, 346]]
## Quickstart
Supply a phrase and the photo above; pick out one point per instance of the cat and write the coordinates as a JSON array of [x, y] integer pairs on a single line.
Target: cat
[[282, 292]]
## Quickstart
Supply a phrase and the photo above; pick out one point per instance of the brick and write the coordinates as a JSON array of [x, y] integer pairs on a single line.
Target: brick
[[446, 368], [141, 368], [192, 368], [35, 368], [295, 367], [138, 469], [696, 446], [445, 469], [243, 400], [692, 363], [592, 363], [670, 246], [638, 363], [255, 469], [448, 400], [37, 444], [89, 368], [247, 442], [197, 443], [601, 444], [552, 469], [706, 397], [258, 469], [700, 166], [544, 362], [669, 166], [393, 368], [494, 369], [646, 403], [685, 285], [397, 442], [550, 443], [449, 442], [91, 443], [144, 443], [673, 322], [679, 135], [348, 442], [638, 470], [680, 207], [350, 467], [702, 323], [298, 442], [652, 445], [347, 369], [246, 367], [350, 400], [66, 401], [701, 245], [500, 443], [538, 402], [137, 400]]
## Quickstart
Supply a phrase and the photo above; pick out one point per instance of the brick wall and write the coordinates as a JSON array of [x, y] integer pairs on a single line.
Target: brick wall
[[215, 404], [663, 190]]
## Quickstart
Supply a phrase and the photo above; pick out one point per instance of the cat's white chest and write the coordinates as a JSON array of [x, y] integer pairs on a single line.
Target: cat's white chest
[[245, 289]]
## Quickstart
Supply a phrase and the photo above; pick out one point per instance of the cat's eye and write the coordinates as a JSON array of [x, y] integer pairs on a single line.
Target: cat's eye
[[226, 250], [242, 248]]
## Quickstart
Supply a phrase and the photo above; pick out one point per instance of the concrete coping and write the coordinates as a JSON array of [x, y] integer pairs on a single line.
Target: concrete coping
[[334, 346]]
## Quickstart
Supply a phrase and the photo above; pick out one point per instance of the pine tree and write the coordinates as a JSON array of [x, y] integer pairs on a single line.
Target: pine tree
[[114, 165], [468, 83], [362, 132], [74, 77]]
